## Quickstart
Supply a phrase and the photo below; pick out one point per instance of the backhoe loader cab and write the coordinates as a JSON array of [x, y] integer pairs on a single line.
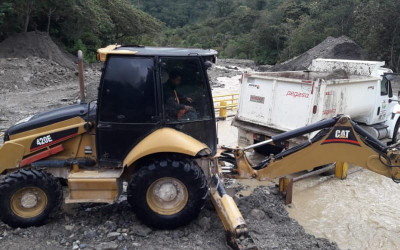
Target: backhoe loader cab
[[151, 89], [153, 126]]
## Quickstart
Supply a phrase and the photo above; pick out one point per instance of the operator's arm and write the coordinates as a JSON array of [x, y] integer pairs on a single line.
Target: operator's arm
[[172, 104]]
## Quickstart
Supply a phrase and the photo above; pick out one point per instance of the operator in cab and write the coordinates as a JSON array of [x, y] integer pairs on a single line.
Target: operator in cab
[[177, 107]]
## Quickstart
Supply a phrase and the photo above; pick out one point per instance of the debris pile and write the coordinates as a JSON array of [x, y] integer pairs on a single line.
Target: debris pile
[[333, 48], [32, 73], [35, 44], [92, 226]]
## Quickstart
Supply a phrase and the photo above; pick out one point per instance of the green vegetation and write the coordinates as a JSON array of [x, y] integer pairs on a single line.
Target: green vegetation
[[268, 31], [80, 24], [271, 31]]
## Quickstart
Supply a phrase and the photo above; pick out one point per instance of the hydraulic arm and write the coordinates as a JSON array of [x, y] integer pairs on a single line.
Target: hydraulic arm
[[339, 140]]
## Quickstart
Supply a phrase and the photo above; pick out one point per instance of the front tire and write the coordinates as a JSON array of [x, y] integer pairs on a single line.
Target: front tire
[[168, 193], [27, 197], [396, 132]]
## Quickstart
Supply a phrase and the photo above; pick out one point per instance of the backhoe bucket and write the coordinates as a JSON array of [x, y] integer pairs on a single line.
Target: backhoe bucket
[[235, 226]]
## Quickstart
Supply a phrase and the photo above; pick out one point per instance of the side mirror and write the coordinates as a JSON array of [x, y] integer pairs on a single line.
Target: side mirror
[[208, 64]]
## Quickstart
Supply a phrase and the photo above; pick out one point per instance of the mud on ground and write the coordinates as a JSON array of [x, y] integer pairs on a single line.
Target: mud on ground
[[114, 226]]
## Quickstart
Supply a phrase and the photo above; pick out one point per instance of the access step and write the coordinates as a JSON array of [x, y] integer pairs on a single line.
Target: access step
[[97, 186]]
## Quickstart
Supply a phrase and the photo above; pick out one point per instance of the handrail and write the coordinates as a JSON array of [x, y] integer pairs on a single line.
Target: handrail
[[225, 102]]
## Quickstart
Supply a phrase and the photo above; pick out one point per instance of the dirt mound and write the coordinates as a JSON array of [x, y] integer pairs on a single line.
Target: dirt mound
[[270, 225], [333, 48], [32, 73], [36, 44]]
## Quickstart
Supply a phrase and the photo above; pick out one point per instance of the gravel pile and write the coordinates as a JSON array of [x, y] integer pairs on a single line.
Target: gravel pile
[[114, 226], [36, 44], [333, 48]]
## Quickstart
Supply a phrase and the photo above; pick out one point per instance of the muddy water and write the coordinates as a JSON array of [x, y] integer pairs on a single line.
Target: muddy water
[[361, 212]]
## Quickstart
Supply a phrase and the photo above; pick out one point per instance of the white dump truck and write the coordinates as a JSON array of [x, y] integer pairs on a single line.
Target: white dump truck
[[274, 102]]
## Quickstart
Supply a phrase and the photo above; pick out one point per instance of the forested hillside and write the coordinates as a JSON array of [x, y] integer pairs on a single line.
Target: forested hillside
[[80, 24], [268, 31]]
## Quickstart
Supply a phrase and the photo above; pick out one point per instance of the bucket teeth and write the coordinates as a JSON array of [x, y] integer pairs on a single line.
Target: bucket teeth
[[241, 241]]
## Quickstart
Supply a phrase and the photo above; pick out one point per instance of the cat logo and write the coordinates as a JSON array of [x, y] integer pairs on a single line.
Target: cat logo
[[342, 135]]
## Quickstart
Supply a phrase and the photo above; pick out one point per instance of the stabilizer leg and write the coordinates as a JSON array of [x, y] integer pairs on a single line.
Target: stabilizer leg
[[235, 226], [341, 169]]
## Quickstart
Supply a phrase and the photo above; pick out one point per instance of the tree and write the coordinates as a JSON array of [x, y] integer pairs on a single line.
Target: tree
[[29, 7], [129, 23], [5, 8]]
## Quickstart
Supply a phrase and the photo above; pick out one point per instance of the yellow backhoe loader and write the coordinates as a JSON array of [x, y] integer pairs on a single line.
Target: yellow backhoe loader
[[153, 126]]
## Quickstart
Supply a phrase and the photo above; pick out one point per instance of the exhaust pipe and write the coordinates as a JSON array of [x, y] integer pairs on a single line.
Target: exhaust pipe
[[80, 71]]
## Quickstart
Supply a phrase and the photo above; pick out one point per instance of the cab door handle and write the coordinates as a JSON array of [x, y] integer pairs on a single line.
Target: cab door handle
[[104, 126]]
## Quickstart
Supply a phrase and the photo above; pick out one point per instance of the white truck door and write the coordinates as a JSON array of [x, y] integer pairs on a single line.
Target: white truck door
[[384, 107], [255, 100]]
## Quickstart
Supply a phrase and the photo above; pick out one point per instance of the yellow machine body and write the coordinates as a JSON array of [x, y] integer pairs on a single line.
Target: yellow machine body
[[165, 140]]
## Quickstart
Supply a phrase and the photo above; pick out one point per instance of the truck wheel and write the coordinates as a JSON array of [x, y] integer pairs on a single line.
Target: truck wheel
[[396, 132], [168, 193], [27, 197], [268, 149]]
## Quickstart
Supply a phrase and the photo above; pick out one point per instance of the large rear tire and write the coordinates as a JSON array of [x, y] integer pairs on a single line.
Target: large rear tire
[[27, 197], [168, 193]]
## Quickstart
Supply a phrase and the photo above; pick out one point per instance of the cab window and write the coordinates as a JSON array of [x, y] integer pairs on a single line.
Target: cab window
[[384, 86], [185, 90], [128, 92]]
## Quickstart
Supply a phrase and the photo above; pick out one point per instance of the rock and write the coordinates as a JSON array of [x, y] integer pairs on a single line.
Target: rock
[[274, 191], [17, 230], [54, 233], [90, 234], [69, 227], [177, 234], [113, 235], [107, 246], [75, 246], [142, 231], [82, 246], [111, 225], [204, 223], [257, 214]]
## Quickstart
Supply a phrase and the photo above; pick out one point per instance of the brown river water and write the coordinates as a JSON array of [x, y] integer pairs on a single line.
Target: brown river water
[[360, 212]]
